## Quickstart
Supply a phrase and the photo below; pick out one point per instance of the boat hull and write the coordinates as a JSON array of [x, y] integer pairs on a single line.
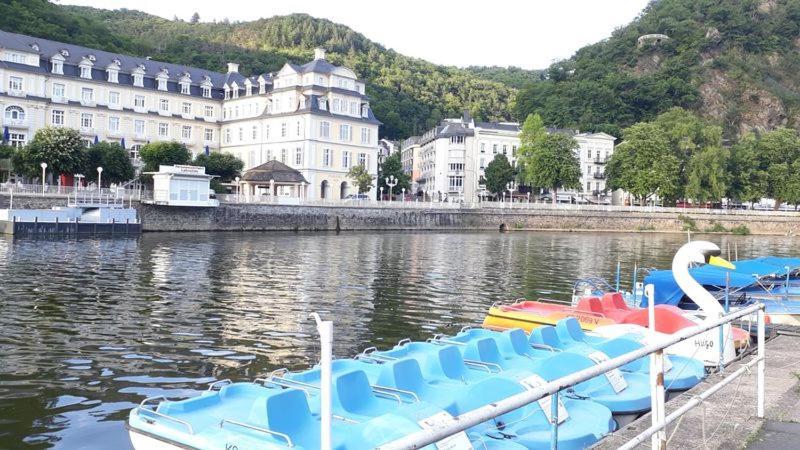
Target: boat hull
[[142, 441], [504, 318]]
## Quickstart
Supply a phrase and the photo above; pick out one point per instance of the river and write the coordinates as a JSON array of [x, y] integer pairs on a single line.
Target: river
[[90, 327]]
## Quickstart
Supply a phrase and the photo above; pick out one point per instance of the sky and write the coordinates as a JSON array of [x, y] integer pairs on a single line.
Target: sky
[[525, 33]]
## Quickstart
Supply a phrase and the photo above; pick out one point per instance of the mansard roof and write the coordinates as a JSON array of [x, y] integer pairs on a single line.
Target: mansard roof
[[501, 126]]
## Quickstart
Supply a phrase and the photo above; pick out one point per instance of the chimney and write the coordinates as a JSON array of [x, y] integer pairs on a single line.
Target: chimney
[[319, 53], [233, 67]]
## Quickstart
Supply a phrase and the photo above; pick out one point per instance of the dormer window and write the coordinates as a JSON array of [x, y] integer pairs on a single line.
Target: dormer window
[[364, 111], [248, 89], [162, 84], [113, 76], [185, 88], [262, 87], [58, 67], [207, 91], [138, 79], [86, 72], [64, 53], [235, 92], [227, 93], [323, 104]]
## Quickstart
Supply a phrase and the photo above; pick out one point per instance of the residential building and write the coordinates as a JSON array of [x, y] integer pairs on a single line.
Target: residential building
[[449, 161], [385, 148], [314, 117]]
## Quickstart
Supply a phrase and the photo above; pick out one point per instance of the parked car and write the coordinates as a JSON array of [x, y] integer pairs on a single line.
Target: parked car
[[357, 198]]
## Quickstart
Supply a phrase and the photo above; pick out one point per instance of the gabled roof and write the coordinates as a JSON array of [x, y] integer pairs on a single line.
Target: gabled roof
[[273, 170]]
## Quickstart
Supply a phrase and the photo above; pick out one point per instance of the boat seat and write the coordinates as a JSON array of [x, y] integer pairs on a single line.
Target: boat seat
[[592, 304], [287, 412], [569, 330], [405, 374], [546, 336], [614, 300]]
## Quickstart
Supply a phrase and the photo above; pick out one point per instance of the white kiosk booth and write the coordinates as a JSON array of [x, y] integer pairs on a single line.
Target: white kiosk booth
[[183, 186]]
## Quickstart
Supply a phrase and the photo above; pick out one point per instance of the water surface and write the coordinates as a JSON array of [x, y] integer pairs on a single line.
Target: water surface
[[89, 328]]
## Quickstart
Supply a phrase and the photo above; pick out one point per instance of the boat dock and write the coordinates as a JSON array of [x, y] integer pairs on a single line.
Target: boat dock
[[727, 419], [89, 215]]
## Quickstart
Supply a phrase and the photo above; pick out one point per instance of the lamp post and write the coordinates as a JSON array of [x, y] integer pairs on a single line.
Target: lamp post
[[403, 198], [391, 181], [381, 193], [237, 188], [78, 177], [44, 167], [511, 187], [99, 178]]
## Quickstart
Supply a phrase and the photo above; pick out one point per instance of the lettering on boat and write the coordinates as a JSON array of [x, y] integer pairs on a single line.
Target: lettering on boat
[[704, 343]]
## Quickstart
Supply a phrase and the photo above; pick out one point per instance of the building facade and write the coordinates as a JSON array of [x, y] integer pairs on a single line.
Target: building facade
[[449, 161], [314, 117]]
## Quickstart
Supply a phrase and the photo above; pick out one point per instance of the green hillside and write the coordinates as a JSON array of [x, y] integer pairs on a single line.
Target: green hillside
[[409, 95], [733, 61]]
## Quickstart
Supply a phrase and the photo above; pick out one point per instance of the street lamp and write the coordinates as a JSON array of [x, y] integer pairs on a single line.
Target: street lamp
[[237, 188], [381, 193], [99, 178], [403, 198], [511, 187], [44, 167], [391, 181]]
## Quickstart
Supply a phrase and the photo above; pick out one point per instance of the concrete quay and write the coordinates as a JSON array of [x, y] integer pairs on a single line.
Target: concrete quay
[[726, 420]]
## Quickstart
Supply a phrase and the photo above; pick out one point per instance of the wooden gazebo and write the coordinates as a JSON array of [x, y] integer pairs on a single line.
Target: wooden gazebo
[[274, 179]]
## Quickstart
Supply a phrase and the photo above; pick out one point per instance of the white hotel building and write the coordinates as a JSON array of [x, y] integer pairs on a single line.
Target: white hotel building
[[450, 159], [315, 117]]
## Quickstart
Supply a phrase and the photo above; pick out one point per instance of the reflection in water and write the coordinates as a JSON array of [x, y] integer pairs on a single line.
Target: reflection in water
[[91, 327]]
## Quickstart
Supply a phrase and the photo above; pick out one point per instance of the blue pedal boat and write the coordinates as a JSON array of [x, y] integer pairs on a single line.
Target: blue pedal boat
[[682, 373]]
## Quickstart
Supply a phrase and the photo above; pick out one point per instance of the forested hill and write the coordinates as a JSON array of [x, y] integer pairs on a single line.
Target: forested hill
[[733, 61], [409, 95]]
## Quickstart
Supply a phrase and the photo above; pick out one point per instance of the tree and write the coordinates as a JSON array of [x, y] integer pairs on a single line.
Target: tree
[[707, 174], [114, 160], [392, 166], [643, 164], [6, 151], [164, 153], [361, 178], [226, 166], [498, 174], [748, 181], [777, 151], [61, 148], [530, 138], [553, 163], [195, 18]]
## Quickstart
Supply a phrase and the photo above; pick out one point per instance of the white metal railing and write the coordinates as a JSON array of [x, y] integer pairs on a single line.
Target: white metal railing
[[70, 191], [477, 416]]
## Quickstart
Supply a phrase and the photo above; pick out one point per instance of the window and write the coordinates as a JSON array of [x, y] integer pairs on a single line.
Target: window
[[138, 79], [283, 129], [344, 133], [269, 155], [87, 95], [483, 164], [365, 135], [163, 105], [266, 131], [325, 129], [186, 132], [113, 98], [15, 83], [457, 139], [456, 183], [588, 185], [113, 124], [15, 113], [17, 58], [86, 72], [16, 140], [208, 111], [494, 149], [236, 111], [185, 88], [134, 151], [298, 156], [113, 76], [362, 159], [455, 167], [483, 147], [298, 129], [162, 84], [283, 155], [57, 117], [88, 143], [326, 157], [227, 93], [589, 155], [138, 101], [337, 104], [505, 149], [186, 108], [207, 91], [354, 108], [58, 67], [323, 104], [208, 135], [227, 136], [87, 121], [514, 150], [138, 127], [241, 134], [255, 132], [345, 160], [59, 90], [163, 129]]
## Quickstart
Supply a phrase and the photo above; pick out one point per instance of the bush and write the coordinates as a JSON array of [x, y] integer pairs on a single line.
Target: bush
[[716, 227], [740, 230], [688, 223]]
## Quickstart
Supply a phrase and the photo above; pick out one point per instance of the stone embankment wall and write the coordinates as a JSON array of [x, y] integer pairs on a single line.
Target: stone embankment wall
[[250, 217]]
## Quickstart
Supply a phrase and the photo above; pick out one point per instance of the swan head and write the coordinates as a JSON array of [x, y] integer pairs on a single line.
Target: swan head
[[702, 252]]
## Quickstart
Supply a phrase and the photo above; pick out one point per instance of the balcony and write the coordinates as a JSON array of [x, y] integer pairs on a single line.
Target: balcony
[[599, 176], [600, 160], [88, 102], [16, 93], [164, 113], [59, 99], [16, 123]]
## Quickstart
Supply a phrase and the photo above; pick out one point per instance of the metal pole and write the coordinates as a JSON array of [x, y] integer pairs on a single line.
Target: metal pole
[[479, 415], [616, 288], [786, 295], [633, 286], [761, 366], [721, 364], [658, 409], [554, 421], [325, 329]]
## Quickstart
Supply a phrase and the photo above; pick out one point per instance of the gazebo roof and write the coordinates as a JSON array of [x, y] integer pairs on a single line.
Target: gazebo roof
[[273, 170]]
